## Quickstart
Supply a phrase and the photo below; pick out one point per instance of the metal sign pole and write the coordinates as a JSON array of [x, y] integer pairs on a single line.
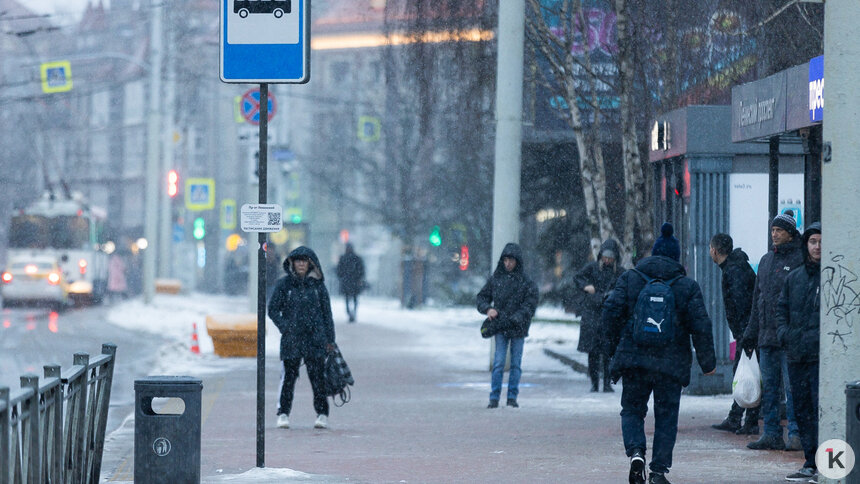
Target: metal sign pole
[[261, 281]]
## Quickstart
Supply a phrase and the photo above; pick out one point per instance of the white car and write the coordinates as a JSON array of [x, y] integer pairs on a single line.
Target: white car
[[36, 279]]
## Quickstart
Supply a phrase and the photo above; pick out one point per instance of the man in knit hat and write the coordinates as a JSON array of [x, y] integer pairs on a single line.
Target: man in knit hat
[[663, 367], [773, 269]]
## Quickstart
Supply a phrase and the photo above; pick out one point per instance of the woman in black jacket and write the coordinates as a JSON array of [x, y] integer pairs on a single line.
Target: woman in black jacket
[[301, 309], [798, 330]]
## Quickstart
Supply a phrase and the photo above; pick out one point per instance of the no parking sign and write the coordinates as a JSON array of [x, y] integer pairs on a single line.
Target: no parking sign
[[249, 106]]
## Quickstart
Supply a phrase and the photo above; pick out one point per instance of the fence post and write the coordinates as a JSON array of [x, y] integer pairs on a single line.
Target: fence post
[[5, 462], [54, 447], [30, 430], [102, 404], [76, 422]]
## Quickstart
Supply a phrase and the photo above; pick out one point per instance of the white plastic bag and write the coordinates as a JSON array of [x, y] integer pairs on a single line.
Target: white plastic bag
[[746, 385]]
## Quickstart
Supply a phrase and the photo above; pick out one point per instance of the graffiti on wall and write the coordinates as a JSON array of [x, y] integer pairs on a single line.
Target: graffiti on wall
[[840, 295]]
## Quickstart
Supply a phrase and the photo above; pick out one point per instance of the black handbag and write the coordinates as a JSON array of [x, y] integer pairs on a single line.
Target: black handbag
[[338, 377]]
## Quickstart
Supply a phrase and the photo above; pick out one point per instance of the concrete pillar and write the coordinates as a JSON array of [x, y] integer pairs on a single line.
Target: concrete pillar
[[840, 257]]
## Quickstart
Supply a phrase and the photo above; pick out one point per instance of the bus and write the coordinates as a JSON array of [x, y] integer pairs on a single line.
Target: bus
[[275, 7], [69, 231]]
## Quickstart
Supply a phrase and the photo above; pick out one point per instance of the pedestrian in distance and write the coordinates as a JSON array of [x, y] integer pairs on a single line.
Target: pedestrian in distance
[[773, 269], [301, 309], [594, 282], [350, 272], [117, 285], [798, 330], [738, 282], [509, 299], [651, 317]]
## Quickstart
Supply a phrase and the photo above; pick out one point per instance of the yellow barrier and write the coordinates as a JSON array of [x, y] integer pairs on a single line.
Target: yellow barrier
[[233, 334], [168, 286]]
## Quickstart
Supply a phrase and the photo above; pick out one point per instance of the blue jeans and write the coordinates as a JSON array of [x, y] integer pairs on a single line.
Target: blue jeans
[[774, 383], [636, 388], [499, 357]]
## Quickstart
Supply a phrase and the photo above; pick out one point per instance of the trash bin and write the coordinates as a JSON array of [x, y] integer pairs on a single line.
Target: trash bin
[[852, 425], [167, 434]]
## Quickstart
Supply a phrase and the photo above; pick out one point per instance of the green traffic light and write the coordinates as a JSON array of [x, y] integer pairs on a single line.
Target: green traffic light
[[199, 228], [435, 237]]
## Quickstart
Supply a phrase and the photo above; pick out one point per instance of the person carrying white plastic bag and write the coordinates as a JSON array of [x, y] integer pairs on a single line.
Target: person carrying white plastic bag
[[746, 385]]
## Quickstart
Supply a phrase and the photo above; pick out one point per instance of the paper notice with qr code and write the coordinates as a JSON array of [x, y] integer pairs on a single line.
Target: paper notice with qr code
[[261, 218]]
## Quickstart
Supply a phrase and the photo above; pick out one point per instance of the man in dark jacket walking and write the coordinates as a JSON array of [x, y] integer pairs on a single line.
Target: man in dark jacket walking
[[350, 272], [509, 299], [594, 282], [738, 283], [798, 330], [662, 370], [773, 269], [301, 309]]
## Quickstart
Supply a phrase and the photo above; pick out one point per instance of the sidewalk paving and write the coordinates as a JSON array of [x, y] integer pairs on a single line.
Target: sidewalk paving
[[418, 414]]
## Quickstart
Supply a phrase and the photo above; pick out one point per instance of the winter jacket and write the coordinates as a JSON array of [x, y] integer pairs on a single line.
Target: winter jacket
[[603, 279], [301, 309], [512, 294], [797, 316], [693, 323], [350, 272], [773, 269], [738, 284]]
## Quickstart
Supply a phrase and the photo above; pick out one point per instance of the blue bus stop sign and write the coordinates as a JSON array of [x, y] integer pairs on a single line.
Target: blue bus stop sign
[[265, 41]]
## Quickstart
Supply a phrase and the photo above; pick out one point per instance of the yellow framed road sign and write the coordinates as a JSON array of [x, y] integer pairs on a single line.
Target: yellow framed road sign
[[56, 76], [200, 194], [228, 214]]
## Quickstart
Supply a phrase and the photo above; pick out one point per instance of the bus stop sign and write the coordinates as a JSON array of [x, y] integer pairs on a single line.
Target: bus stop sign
[[265, 41]]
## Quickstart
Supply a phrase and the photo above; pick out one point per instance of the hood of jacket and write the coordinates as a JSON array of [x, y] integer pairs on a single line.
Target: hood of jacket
[[511, 250], [661, 267], [314, 270], [737, 256]]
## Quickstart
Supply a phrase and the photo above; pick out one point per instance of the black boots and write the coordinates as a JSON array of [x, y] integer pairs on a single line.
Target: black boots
[[729, 424]]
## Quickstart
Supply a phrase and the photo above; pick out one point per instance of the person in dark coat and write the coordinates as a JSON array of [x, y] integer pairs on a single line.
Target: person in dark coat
[[350, 271], [509, 299], [661, 370], [773, 269], [798, 330], [301, 309], [594, 282], [738, 281]]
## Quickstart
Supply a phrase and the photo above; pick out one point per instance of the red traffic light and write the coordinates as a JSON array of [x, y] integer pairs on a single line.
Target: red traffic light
[[172, 183], [464, 257]]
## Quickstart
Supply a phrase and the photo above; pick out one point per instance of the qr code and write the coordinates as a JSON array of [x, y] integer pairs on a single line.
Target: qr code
[[274, 218]]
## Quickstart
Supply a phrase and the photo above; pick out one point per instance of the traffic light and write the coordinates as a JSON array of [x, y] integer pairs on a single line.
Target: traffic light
[[172, 183], [199, 228], [464, 257], [435, 237]]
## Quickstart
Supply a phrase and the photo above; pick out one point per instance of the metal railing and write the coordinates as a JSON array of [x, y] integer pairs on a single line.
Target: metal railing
[[54, 431]]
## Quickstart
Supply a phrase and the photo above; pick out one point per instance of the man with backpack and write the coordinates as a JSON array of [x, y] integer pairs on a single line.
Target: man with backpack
[[650, 317]]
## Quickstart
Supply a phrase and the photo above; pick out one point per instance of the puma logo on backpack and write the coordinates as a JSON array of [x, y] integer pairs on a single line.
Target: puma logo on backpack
[[654, 314]]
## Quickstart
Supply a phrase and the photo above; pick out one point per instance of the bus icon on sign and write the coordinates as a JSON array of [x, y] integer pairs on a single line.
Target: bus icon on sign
[[275, 7]]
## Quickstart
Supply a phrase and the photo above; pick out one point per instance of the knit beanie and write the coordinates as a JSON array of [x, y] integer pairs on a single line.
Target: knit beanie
[[786, 222], [667, 245]]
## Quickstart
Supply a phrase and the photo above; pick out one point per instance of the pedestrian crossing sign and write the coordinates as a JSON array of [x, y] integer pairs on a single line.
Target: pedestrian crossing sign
[[56, 76]]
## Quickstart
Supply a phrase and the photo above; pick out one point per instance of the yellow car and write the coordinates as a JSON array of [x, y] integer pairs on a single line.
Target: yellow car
[[34, 280]]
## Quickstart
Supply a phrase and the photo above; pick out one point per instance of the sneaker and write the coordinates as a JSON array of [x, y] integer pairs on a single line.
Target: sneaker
[[283, 421], [637, 467], [512, 403], [658, 478], [767, 442], [793, 443], [805, 474], [493, 404], [729, 425], [748, 428], [322, 422]]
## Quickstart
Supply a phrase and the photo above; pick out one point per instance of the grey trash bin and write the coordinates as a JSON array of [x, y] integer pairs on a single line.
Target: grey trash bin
[[852, 426], [167, 440]]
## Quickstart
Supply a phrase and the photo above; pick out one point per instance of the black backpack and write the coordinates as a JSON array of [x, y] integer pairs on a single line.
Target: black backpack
[[653, 322], [337, 377]]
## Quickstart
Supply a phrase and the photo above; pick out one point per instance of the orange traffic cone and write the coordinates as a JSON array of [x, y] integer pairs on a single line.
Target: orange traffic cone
[[195, 344]]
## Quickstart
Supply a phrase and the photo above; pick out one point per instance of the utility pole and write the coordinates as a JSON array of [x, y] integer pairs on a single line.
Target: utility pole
[[840, 255], [153, 140], [509, 112], [165, 212]]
